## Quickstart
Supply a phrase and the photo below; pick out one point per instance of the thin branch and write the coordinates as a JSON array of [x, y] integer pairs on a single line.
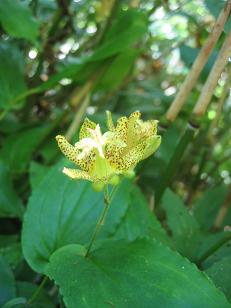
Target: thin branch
[[223, 211], [199, 64], [215, 73]]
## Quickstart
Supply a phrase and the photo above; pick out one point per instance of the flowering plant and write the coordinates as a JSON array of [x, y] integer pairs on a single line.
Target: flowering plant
[[103, 156]]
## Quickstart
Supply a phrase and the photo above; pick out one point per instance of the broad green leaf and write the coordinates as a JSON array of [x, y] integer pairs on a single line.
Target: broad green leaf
[[10, 203], [183, 226], [16, 18], [207, 207], [139, 222], [12, 82], [7, 282], [73, 207], [220, 273], [18, 148], [139, 274]]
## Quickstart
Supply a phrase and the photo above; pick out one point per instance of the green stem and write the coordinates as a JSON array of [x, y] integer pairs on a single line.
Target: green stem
[[174, 161], [36, 293], [101, 220]]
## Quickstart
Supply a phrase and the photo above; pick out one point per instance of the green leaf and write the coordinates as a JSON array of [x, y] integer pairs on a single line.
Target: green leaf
[[139, 274], [119, 68], [18, 148], [10, 203], [207, 207], [116, 42], [27, 289], [218, 254], [12, 81], [13, 254], [120, 40], [7, 282], [139, 222], [73, 207], [184, 227], [18, 302], [37, 173], [16, 18], [220, 273]]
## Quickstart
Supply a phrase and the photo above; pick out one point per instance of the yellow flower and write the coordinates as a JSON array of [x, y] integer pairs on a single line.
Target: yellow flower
[[137, 141], [102, 157]]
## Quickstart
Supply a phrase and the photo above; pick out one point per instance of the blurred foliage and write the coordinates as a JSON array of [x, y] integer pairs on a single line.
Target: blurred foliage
[[61, 60]]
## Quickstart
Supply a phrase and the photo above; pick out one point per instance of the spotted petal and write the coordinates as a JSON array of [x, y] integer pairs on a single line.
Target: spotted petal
[[68, 150], [77, 174], [152, 144], [84, 131]]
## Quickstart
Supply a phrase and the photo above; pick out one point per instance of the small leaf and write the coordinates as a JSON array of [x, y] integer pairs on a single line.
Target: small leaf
[[139, 274]]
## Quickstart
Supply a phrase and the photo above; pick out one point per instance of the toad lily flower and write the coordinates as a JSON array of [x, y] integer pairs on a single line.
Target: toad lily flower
[[138, 140], [102, 157]]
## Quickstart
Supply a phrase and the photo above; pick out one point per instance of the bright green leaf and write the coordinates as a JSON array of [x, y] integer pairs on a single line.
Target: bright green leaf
[[73, 207], [139, 274]]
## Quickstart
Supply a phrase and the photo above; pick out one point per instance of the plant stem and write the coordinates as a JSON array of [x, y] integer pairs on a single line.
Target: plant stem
[[174, 161], [101, 220], [37, 291]]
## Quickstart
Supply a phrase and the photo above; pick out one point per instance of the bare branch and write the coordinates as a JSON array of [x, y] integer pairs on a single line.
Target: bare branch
[[199, 64], [215, 73]]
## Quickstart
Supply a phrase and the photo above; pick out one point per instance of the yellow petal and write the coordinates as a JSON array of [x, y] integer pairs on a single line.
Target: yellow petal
[[152, 144], [121, 128], [68, 150], [77, 174], [84, 130], [87, 162]]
